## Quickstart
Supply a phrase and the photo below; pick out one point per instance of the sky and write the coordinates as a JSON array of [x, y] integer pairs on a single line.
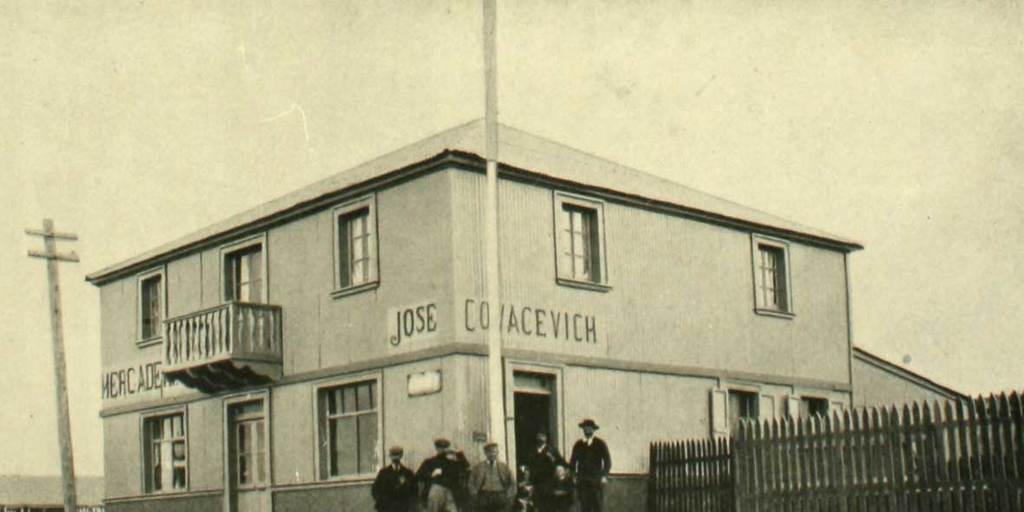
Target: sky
[[897, 124]]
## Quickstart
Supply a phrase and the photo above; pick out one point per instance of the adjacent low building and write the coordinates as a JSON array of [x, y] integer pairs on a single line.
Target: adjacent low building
[[879, 382], [266, 362]]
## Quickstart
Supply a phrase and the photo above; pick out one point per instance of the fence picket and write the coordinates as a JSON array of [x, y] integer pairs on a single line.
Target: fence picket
[[934, 456]]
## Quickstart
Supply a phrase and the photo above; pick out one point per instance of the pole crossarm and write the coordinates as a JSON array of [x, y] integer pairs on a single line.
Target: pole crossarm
[[71, 256], [51, 234]]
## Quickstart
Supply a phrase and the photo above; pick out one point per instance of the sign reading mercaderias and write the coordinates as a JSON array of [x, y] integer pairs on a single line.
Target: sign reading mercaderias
[[132, 380]]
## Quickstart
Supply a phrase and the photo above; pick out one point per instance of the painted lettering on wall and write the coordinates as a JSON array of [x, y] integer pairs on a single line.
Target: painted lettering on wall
[[413, 323], [132, 380], [532, 321]]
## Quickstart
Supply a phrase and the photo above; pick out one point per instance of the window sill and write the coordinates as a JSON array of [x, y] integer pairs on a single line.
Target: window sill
[[364, 477], [583, 285], [774, 313], [149, 342], [352, 290]]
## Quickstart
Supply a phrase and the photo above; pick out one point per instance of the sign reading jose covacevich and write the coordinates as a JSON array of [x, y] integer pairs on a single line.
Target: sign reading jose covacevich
[[420, 322]]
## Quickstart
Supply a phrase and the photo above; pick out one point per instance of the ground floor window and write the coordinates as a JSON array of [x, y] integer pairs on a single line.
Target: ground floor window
[[349, 429], [813, 406], [166, 456], [742, 406]]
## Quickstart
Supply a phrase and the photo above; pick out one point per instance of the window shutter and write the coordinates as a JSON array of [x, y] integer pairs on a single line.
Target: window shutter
[[766, 407], [793, 407], [562, 242], [343, 262], [719, 413], [229, 277]]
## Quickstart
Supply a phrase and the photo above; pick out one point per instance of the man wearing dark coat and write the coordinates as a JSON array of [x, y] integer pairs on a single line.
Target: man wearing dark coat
[[541, 468], [394, 489], [443, 477], [591, 462]]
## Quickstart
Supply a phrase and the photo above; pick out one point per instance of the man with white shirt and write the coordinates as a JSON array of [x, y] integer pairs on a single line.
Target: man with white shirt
[[591, 462]]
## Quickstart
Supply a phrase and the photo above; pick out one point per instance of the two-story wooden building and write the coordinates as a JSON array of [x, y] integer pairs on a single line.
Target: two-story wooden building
[[266, 362]]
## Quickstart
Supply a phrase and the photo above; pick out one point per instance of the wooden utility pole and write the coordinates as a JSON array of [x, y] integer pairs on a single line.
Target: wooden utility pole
[[52, 257], [495, 377]]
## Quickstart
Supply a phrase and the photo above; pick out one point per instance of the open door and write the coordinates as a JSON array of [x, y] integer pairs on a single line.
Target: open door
[[248, 462], [536, 410]]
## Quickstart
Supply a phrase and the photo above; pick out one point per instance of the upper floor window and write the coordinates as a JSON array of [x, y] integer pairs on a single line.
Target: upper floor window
[[244, 268], [355, 244], [349, 429], [579, 240], [165, 453], [151, 305], [771, 276]]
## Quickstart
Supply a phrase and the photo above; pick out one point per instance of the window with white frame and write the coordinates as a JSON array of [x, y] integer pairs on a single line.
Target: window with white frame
[[349, 429], [579, 240], [165, 453], [244, 268], [771, 275], [355, 244], [151, 305]]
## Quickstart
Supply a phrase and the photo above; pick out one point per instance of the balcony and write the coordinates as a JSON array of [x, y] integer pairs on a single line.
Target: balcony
[[230, 346]]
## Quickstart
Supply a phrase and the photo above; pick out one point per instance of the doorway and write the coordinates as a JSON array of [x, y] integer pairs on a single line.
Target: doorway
[[535, 402], [248, 468]]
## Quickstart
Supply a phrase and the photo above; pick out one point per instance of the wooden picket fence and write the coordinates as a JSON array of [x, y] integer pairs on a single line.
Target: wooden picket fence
[[940, 457]]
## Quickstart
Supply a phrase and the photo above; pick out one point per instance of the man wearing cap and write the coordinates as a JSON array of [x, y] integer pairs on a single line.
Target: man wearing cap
[[394, 489], [441, 477], [590, 461], [491, 483]]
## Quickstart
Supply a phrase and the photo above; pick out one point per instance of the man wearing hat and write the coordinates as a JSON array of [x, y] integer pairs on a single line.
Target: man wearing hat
[[590, 461], [394, 489], [442, 476], [491, 484]]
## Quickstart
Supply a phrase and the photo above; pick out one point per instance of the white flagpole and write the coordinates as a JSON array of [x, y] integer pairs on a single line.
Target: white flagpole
[[495, 377]]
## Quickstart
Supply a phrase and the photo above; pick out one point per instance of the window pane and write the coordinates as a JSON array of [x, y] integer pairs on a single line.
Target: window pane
[[259, 453], [344, 444], [255, 276], [333, 401], [367, 442], [348, 399], [364, 399]]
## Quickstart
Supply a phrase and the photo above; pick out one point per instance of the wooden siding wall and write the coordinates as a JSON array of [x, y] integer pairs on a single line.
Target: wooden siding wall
[[320, 331], [876, 386], [682, 290]]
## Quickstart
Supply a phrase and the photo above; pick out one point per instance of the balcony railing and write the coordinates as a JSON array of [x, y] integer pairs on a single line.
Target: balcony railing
[[228, 346]]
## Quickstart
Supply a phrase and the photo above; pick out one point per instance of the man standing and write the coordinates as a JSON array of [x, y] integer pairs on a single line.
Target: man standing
[[591, 462], [491, 484], [541, 470], [394, 489], [441, 477]]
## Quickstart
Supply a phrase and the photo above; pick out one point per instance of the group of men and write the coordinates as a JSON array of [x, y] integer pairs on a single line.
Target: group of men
[[447, 483]]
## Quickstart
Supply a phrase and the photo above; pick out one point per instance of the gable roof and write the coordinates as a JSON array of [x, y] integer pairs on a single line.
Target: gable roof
[[24, 490], [518, 151], [906, 374]]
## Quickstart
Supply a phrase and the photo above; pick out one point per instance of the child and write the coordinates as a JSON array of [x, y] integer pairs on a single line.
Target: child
[[524, 501], [562, 490]]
